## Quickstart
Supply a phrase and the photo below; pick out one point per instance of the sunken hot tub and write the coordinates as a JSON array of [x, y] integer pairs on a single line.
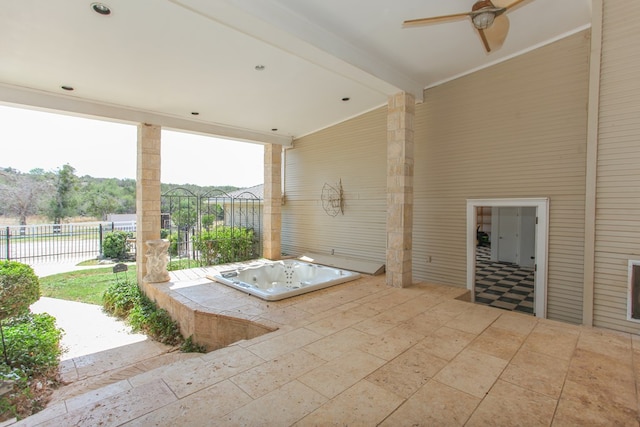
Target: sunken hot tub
[[283, 279]]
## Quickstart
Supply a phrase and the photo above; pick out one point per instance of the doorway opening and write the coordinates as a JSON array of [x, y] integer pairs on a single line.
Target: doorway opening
[[507, 253]]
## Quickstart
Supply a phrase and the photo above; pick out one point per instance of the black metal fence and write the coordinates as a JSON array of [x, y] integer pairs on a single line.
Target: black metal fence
[[54, 242], [212, 228]]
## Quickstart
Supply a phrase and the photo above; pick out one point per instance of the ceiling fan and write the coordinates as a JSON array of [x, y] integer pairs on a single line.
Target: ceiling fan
[[487, 18]]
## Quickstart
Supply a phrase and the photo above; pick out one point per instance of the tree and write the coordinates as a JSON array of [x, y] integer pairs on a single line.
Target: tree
[[214, 213], [186, 216], [128, 196], [207, 221], [102, 196], [99, 203], [22, 194], [63, 203]]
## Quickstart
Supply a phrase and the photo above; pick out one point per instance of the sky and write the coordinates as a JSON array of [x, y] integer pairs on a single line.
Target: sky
[[32, 139]]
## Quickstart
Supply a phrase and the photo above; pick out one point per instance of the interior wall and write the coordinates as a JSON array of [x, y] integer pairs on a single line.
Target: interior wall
[[515, 130], [618, 171], [353, 152]]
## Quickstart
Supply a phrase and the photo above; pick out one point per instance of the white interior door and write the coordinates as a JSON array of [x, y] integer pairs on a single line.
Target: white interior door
[[508, 236], [527, 249]]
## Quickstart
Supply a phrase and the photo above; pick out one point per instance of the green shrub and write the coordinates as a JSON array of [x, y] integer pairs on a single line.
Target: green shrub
[[19, 288], [21, 392], [155, 322], [7, 373], [189, 346], [120, 298], [33, 350], [181, 264], [207, 221], [115, 245], [125, 300], [225, 244], [173, 244], [33, 343]]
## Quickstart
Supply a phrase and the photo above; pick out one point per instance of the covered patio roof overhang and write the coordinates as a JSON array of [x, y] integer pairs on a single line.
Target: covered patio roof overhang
[[263, 72]]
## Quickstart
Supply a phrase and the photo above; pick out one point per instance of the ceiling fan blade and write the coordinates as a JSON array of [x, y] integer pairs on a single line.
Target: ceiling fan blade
[[497, 33], [485, 42], [433, 20], [508, 4]]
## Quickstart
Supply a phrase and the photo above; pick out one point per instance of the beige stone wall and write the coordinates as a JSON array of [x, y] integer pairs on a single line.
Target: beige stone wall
[[206, 328]]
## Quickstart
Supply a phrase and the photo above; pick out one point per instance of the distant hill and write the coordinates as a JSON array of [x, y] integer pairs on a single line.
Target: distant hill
[[27, 194]]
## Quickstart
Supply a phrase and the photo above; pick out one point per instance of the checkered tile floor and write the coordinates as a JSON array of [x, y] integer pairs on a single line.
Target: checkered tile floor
[[502, 284]]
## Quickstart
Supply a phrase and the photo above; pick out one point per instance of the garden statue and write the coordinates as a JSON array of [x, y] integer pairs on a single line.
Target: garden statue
[[157, 259]]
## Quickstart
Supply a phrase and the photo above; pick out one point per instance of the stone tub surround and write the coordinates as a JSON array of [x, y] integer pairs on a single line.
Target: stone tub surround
[[214, 324], [364, 353]]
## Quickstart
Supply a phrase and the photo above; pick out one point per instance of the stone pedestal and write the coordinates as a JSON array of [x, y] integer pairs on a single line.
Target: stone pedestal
[[157, 259]]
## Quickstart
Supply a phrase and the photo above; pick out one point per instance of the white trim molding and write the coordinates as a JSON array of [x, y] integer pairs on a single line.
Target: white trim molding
[[630, 317], [542, 244]]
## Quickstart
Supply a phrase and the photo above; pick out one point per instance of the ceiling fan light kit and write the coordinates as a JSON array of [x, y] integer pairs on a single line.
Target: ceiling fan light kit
[[483, 14], [483, 20]]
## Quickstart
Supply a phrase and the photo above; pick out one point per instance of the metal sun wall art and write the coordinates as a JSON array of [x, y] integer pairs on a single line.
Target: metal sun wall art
[[332, 199]]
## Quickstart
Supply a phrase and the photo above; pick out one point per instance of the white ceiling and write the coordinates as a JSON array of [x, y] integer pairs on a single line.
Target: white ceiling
[[158, 61]]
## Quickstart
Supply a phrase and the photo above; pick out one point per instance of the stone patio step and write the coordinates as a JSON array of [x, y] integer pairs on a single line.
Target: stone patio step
[[94, 371]]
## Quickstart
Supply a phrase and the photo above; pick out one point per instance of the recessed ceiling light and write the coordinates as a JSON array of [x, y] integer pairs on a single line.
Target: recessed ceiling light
[[195, 113], [260, 67], [65, 87], [101, 8], [345, 99]]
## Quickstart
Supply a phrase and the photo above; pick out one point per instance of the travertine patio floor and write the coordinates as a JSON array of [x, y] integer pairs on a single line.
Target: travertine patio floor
[[362, 353]]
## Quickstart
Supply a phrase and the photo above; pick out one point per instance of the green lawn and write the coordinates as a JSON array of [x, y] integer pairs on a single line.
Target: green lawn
[[83, 286]]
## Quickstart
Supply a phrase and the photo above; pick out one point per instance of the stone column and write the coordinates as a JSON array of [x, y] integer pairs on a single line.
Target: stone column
[[147, 193], [272, 213], [401, 110]]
